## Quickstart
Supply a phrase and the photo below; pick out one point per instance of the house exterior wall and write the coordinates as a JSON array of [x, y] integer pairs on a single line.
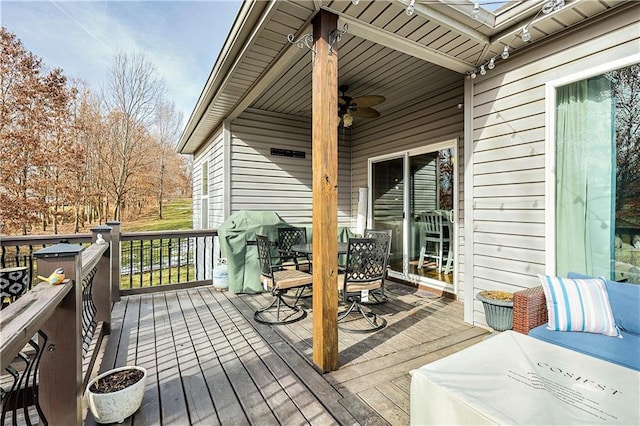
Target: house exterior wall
[[212, 153], [261, 181], [429, 119], [509, 137]]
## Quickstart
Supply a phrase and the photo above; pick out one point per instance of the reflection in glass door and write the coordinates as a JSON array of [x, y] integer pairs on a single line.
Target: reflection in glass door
[[414, 183], [431, 177], [387, 179]]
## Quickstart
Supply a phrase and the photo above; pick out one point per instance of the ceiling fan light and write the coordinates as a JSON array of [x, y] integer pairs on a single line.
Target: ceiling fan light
[[347, 119]]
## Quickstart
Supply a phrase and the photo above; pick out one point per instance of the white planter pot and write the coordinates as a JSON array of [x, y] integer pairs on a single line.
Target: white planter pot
[[114, 407]]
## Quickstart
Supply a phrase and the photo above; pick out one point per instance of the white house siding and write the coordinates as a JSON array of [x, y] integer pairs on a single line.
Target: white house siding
[[430, 118], [216, 181], [509, 148], [459, 221], [213, 153], [197, 191], [261, 181]]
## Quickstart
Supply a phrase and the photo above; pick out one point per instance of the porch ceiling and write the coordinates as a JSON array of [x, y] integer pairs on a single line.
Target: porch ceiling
[[385, 52]]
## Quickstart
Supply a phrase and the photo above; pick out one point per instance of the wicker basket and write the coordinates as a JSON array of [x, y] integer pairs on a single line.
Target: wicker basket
[[498, 313]]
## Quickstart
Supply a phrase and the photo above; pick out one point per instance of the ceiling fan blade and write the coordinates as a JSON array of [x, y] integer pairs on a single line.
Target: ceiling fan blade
[[366, 112], [342, 100], [368, 101]]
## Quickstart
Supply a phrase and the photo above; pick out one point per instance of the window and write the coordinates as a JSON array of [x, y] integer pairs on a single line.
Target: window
[[597, 189], [205, 179], [204, 199]]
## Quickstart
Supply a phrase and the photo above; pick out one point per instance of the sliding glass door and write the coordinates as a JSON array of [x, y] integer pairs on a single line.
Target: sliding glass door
[[403, 188], [388, 204], [597, 176]]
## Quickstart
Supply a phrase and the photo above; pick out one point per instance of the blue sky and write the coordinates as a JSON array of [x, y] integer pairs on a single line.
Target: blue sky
[[182, 38]]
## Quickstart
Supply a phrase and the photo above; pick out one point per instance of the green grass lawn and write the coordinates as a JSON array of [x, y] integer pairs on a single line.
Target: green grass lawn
[[176, 215]]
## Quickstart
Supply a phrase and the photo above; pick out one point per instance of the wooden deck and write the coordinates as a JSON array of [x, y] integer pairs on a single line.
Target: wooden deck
[[210, 363]]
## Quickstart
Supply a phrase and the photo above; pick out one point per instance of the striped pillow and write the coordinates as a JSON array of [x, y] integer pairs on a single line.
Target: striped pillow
[[578, 305]]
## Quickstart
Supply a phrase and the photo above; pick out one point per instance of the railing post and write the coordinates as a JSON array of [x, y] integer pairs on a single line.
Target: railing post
[[115, 259], [60, 382], [102, 281]]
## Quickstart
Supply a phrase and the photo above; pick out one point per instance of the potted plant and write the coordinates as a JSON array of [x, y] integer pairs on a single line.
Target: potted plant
[[498, 308], [116, 394]]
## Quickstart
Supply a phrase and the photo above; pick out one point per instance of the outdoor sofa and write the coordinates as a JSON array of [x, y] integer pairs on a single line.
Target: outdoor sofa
[[530, 316]]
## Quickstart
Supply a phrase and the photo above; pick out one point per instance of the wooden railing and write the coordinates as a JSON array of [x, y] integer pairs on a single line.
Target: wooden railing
[[50, 334], [171, 259], [49, 340], [141, 262], [18, 250]]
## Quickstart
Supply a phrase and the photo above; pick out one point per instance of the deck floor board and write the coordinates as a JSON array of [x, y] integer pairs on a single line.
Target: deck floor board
[[173, 406], [146, 356], [210, 363]]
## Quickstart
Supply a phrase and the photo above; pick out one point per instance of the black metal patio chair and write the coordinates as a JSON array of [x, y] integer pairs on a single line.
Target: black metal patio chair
[[288, 237], [378, 294], [364, 270], [279, 280]]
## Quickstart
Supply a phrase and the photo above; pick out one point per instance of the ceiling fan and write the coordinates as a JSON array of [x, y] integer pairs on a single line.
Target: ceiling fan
[[356, 107]]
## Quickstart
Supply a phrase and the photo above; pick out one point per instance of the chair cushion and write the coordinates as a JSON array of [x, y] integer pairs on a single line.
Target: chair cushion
[[13, 281], [619, 351], [578, 305], [357, 287], [287, 279]]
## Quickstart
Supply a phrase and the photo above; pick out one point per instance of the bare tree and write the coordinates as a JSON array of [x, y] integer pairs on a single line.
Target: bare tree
[[63, 153], [131, 96], [167, 128], [86, 129], [22, 125], [66, 150]]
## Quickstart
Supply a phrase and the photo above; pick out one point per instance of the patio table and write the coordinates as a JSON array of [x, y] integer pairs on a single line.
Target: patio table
[[308, 248], [512, 378]]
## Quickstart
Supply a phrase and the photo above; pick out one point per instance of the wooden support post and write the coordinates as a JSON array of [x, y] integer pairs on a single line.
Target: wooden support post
[[60, 388], [115, 260], [102, 279], [325, 194]]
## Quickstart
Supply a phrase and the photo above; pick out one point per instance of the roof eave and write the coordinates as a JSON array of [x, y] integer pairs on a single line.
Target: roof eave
[[247, 16]]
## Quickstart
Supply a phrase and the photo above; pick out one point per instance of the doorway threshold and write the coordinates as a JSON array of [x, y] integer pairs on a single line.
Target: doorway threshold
[[437, 288]]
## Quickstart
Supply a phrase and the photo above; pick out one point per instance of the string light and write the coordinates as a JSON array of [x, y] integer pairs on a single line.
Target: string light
[[505, 53], [552, 6], [411, 8], [525, 35], [475, 13], [355, 2]]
